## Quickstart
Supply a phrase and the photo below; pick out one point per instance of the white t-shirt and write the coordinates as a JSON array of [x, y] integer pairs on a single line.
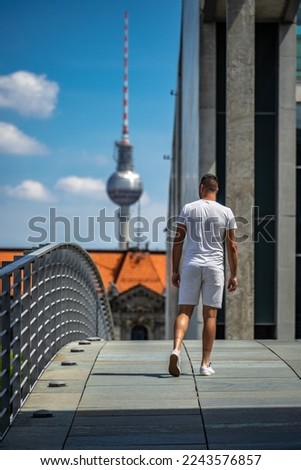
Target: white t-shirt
[[206, 222]]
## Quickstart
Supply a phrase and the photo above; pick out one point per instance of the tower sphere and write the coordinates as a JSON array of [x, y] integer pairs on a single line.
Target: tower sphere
[[124, 187]]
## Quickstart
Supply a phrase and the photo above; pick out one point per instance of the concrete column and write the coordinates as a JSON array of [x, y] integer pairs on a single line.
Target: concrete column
[[240, 104], [286, 206], [207, 98]]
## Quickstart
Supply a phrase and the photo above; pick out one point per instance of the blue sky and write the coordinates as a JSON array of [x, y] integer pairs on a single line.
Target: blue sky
[[61, 73]]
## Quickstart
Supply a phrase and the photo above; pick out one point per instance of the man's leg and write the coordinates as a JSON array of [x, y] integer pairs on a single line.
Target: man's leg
[[180, 327], [209, 332], [212, 295]]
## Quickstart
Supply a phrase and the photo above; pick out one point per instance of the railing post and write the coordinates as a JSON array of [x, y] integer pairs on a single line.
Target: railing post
[[5, 355], [98, 312], [25, 320], [34, 325], [15, 341]]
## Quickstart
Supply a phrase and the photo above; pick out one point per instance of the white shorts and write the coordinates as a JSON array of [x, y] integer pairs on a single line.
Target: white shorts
[[201, 280]]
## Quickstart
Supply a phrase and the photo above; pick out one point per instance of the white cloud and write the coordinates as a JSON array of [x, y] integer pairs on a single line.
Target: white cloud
[[28, 94], [15, 142], [81, 186], [29, 190]]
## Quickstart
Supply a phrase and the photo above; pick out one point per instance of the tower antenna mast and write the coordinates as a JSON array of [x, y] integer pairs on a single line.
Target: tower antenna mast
[[125, 121]]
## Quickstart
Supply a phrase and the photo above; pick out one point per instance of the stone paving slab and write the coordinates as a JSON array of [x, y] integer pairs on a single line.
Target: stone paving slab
[[151, 431], [36, 438], [137, 412], [251, 417], [156, 391], [248, 355], [52, 401], [82, 422], [221, 400], [250, 369], [109, 379], [244, 384], [60, 418], [255, 437], [144, 404], [65, 373], [71, 386], [136, 441]]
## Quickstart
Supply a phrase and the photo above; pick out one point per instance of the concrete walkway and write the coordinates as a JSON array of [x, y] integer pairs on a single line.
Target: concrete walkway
[[119, 395]]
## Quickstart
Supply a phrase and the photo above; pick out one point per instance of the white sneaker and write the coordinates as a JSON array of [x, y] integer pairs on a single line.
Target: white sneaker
[[174, 363], [207, 370]]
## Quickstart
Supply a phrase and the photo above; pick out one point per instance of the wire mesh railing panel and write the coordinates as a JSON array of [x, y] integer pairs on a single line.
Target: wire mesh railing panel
[[48, 298]]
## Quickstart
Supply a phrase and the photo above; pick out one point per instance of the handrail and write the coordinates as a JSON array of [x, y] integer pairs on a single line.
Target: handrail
[[48, 298]]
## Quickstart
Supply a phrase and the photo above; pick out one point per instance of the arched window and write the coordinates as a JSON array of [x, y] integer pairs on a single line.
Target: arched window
[[139, 332]]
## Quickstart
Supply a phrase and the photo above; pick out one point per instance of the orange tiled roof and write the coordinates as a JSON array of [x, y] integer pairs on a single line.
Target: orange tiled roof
[[127, 269], [142, 267], [107, 263], [8, 255], [124, 268]]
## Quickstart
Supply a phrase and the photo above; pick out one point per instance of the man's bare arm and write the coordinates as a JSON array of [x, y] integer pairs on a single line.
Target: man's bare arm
[[232, 253], [177, 253]]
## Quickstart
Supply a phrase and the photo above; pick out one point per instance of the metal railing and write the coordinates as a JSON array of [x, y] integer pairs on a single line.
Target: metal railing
[[49, 298]]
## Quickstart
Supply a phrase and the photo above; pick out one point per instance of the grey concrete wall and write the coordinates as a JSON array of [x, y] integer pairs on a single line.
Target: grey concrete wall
[[240, 102], [286, 204]]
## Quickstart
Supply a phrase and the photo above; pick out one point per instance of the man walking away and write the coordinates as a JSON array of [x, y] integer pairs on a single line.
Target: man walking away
[[205, 225]]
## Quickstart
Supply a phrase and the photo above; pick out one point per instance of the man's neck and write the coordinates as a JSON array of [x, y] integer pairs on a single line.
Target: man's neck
[[209, 197]]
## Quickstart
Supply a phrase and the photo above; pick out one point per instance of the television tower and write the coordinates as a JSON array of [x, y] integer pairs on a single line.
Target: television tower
[[124, 187]]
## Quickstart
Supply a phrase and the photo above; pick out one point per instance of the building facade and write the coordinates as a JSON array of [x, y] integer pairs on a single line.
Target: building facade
[[135, 284], [235, 116]]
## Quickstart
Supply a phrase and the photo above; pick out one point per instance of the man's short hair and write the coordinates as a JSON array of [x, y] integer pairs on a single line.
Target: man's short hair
[[210, 182]]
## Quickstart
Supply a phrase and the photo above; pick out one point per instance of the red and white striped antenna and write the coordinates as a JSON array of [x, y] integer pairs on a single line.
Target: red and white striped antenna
[[125, 123]]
